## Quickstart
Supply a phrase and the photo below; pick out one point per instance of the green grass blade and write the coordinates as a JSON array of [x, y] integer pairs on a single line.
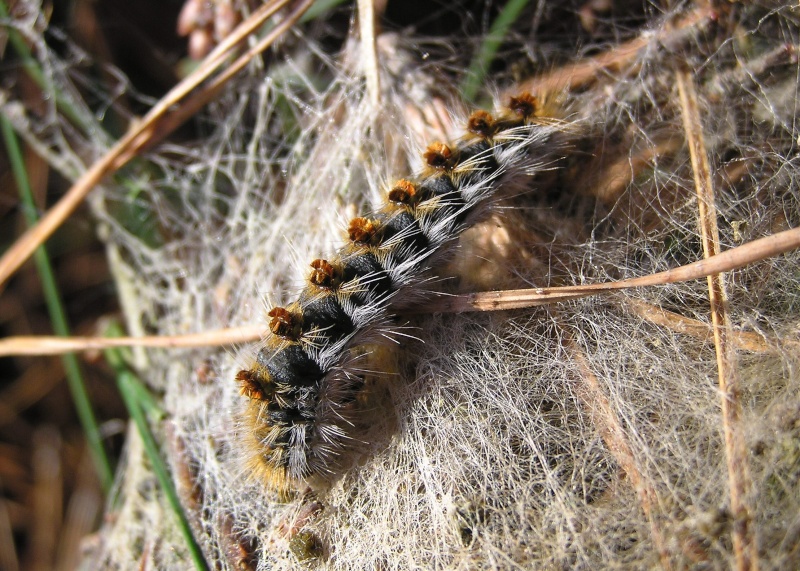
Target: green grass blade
[[137, 400], [480, 63], [57, 315], [318, 8]]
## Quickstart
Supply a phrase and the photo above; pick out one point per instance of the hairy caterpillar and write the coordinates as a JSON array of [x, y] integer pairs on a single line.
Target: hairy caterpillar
[[303, 384]]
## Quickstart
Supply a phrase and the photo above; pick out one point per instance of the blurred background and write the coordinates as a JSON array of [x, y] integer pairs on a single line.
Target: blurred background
[[51, 494]]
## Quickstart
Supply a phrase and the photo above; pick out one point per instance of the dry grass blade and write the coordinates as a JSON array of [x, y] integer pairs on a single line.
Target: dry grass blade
[[8, 555], [587, 71], [743, 340], [369, 54], [48, 472], [195, 102], [485, 301], [610, 428], [29, 389], [726, 261], [82, 510], [744, 540], [41, 345], [156, 124]]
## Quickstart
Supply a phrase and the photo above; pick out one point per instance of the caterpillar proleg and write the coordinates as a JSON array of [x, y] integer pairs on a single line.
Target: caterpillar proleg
[[303, 384]]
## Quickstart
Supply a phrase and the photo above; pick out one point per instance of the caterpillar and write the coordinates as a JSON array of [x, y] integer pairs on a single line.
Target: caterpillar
[[303, 385]]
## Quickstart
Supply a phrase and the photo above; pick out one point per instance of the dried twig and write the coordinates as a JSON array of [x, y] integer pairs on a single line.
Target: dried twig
[[726, 261], [743, 340], [608, 424], [744, 540], [158, 122], [584, 72], [486, 301], [50, 345]]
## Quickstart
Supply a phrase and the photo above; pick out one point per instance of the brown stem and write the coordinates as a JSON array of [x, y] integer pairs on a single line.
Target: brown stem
[[605, 419], [158, 122], [744, 536]]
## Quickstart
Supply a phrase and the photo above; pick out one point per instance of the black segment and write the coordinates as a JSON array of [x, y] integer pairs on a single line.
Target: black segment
[[507, 124], [404, 223], [451, 204], [373, 277], [291, 366], [441, 186], [486, 162], [280, 416], [326, 313]]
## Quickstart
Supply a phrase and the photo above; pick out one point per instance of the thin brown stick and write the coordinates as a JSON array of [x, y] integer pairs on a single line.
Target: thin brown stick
[[8, 550], [47, 496], [728, 260], [586, 71], [197, 100], [50, 345], [32, 385], [159, 121], [616, 178], [744, 540], [486, 301], [593, 399], [743, 340]]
